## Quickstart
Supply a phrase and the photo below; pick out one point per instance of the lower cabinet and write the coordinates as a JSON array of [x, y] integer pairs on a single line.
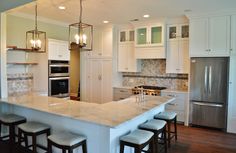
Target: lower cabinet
[[99, 80], [178, 105], [120, 93]]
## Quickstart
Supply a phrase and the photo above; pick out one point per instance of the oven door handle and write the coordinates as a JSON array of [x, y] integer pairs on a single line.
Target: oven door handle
[[65, 65], [59, 78]]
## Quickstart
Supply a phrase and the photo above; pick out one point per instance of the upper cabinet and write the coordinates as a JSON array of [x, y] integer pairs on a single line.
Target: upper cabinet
[[149, 36], [233, 35], [210, 37], [58, 50], [126, 36], [178, 32]]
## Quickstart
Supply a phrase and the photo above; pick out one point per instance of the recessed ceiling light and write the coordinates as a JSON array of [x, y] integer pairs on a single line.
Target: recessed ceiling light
[[62, 7], [146, 16], [105, 21]]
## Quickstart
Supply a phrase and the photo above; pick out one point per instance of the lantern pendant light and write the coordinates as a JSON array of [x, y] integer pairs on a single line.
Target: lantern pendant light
[[35, 39], [80, 34]]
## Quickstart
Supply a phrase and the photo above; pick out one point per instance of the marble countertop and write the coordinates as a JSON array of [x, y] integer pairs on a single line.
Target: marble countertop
[[175, 90], [109, 114]]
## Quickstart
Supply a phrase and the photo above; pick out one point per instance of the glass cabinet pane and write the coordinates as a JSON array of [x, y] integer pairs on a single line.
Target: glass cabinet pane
[[131, 35], [122, 36], [172, 32], [185, 31], [156, 35], [141, 36]]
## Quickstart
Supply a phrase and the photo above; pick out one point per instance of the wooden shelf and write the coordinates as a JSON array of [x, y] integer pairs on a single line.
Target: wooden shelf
[[22, 63], [15, 48]]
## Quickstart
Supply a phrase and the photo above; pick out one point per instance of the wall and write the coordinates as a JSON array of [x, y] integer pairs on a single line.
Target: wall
[[6, 4], [16, 31], [74, 71], [153, 73]]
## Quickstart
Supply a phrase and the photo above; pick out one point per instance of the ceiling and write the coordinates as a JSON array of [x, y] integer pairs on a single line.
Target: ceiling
[[122, 11]]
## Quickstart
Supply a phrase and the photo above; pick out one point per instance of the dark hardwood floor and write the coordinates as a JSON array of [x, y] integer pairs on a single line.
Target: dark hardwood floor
[[192, 140]]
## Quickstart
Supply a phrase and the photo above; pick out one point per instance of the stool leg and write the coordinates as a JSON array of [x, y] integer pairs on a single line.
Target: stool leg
[[0, 131], [19, 138], [70, 150], [26, 141], [63, 151], [122, 147], [165, 139], [168, 132], [84, 147], [49, 146], [12, 137], [34, 143], [175, 123], [138, 150]]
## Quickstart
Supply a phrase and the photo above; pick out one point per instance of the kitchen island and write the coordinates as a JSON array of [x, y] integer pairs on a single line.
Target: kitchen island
[[102, 124]]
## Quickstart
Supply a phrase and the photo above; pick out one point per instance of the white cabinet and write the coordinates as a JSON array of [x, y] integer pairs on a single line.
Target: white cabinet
[[233, 35], [210, 37], [126, 58], [120, 93], [149, 36], [178, 105], [58, 50], [178, 32], [126, 35], [231, 121], [99, 80]]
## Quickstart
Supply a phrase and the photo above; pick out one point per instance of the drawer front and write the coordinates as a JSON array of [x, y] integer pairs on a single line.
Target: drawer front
[[122, 91], [180, 115], [181, 96], [177, 104], [118, 97]]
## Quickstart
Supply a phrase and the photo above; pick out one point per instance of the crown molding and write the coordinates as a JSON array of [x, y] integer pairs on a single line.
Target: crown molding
[[211, 14], [41, 19]]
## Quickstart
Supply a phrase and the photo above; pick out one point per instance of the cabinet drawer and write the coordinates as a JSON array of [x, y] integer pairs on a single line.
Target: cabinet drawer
[[180, 115], [121, 97], [177, 104], [122, 91], [179, 96]]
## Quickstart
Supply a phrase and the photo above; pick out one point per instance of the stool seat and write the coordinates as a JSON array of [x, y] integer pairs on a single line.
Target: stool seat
[[137, 137], [66, 139], [33, 127], [166, 115], [11, 118], [153, 124]]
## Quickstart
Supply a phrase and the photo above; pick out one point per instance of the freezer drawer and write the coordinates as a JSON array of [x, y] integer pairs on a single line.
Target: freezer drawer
[[208, 114]]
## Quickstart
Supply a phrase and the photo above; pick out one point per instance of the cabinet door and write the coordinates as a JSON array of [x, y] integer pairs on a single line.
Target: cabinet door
[[172, 32], [219, 36], [52, 50], [107, 42], [233, 35], [132, 62], [184, 32], [131, 35], [156, 35], [123, 55], [96, 80], [184, 61], [172, 60], [123, 36], [198, 37], [107, 90], [141, 36], [231, 127], [63, 52]]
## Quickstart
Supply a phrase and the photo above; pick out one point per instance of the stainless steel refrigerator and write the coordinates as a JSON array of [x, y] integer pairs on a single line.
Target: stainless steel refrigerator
[[208, 91]]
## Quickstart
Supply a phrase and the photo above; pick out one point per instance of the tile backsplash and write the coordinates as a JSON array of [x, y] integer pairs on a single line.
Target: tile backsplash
[[19, 83], [153, 73]]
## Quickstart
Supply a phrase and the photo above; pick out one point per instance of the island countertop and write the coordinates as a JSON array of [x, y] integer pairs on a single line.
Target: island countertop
[[111, 114]]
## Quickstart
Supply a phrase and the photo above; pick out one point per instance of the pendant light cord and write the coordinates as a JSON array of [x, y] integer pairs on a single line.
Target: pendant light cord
[[81, 11], [36, 16]]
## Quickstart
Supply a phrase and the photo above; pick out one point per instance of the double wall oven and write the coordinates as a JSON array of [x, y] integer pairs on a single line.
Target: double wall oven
[[58, 78]]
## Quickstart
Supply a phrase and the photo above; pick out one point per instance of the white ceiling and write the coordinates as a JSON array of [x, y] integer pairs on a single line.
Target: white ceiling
[[122, 11]]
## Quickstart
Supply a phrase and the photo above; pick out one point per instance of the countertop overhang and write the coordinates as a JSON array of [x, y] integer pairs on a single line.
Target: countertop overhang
[[111, 114]]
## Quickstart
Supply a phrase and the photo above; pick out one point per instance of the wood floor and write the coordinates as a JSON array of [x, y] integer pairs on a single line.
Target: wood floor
[[193, 140]]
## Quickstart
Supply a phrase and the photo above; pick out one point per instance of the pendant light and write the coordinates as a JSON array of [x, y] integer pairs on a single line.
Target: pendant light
[[35, 39], [80, 34]]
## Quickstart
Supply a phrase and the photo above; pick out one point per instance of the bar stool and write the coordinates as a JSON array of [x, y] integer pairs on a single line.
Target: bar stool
[[138, 139], [11, 121], [169, 117], [32, 129], [157, 127], [67, 141]]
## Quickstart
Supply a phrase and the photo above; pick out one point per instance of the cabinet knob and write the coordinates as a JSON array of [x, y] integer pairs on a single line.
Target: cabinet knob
[[206, 50], [231, 49], [209, 50]]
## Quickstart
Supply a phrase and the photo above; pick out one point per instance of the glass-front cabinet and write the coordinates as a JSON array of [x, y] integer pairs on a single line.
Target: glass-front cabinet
[[149, 36], [178, 31], [126, 36]]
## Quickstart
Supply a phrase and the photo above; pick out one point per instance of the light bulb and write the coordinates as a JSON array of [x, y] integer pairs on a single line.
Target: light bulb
[[38, 43], [77, 38], [32, 43], [84, 38]]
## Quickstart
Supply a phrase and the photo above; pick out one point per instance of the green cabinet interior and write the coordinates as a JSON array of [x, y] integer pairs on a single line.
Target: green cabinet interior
[[156, 35], [141, 36]]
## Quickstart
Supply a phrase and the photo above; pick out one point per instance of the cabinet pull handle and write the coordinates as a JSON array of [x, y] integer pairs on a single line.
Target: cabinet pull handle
[[231, 49], [122, 91], [99, 77], [172, 95], [172, 104], [209, 50]]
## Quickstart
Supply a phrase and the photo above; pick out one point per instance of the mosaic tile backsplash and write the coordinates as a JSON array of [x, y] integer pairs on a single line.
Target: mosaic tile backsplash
[[153, 73], [19, 83]]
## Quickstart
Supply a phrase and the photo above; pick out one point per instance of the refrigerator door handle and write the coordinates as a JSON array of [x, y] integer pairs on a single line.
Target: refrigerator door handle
[[207, 104], [210, 80], [205, 79]]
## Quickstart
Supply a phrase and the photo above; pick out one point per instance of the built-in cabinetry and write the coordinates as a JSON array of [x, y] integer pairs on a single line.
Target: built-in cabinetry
[[210, 36], [177, 59], [150, 41], [120, 93], [233, 35], [126, 52], [58, 50], [99, 80], [179, 105]]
